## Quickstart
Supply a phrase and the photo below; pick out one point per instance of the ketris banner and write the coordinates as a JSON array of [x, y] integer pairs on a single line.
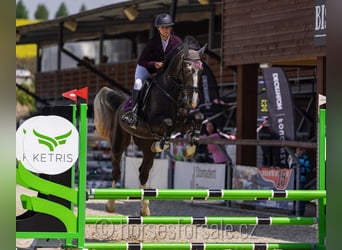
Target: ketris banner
[[281, 110]]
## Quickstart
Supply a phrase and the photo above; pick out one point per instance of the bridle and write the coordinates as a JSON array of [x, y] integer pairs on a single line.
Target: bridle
[[186, 85]]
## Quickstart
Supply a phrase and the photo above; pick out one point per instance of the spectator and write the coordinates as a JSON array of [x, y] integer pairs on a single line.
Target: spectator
[[218, 151], [304, 168]]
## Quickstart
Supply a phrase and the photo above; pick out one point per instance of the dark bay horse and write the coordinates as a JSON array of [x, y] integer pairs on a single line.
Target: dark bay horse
[[170, 102]]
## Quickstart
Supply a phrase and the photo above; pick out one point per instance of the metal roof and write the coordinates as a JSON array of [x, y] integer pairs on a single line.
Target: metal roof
[[110, 21]]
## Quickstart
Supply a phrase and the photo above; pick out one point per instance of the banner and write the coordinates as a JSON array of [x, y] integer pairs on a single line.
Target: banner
[[209, 93], [320, 32], [281, 111], [158, 177], [245, 177], [196, 175]]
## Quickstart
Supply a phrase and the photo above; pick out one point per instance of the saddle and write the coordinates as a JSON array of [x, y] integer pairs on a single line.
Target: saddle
[[143, 97]]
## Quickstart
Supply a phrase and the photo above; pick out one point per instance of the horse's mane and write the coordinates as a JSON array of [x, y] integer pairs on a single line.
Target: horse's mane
[[172, 54], [192, 43]]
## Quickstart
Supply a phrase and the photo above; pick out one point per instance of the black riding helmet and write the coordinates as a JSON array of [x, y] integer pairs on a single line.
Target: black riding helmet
[[163, 20]]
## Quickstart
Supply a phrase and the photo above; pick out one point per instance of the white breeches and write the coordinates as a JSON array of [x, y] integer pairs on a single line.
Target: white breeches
[[141, 74]]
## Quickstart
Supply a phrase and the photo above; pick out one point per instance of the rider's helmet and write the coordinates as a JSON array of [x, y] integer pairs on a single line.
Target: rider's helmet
[[163, 20]]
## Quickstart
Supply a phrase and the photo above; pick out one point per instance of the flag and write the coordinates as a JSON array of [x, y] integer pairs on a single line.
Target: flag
[[72, 95], [281, 110], [209, 95], [83, 93]]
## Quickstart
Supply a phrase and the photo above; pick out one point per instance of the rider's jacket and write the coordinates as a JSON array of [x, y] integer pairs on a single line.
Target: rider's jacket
[[153, 52]]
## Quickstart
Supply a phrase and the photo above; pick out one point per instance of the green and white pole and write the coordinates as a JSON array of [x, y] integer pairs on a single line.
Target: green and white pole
[[196, 246], [321, 181]]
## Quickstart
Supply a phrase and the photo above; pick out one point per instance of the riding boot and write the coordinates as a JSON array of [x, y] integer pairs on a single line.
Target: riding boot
[[131, 116]]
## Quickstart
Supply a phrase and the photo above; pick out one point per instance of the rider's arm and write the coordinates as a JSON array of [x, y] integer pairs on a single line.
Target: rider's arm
[[150, 55]]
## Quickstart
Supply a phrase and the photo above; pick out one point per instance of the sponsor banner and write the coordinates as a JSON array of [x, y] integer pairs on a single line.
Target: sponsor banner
[[279, 178], [158, 174], [47, 144], [245, 177], [199, 175], [281, 110], [320, 32]]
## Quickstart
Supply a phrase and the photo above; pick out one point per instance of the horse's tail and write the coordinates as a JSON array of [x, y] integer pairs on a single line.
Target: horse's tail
[[106, 104]]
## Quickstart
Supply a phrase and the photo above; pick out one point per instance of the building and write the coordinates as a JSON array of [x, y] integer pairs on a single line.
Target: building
[[241, 35]]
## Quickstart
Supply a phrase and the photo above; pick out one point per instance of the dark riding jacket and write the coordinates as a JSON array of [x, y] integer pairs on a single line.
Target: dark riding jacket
[[153, 52]]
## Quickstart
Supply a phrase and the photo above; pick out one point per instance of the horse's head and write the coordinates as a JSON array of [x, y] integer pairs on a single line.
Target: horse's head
[[191, 72], [183, 68]]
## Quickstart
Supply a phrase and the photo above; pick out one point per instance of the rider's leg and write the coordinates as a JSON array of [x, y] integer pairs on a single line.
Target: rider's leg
[[130, 117], [135, 95], [141, 74]]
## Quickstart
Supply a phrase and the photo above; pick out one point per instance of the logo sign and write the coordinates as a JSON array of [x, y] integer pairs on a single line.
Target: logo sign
[[47, 144], [320, 33]]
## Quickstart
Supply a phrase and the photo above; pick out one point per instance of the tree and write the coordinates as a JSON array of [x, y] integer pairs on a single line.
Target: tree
[[83, 8], [41, 12], [21, 11], [62, 11], [25, 99]]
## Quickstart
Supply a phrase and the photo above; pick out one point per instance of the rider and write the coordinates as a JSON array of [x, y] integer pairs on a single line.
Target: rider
[[151, 59]]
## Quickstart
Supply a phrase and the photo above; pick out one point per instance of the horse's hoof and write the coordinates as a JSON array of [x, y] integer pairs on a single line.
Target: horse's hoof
[[110, 208], [145, 213], [189, 151], [156, 148], [166, 146]]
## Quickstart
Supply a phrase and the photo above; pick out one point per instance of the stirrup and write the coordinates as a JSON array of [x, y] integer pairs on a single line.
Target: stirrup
[[130, 118]]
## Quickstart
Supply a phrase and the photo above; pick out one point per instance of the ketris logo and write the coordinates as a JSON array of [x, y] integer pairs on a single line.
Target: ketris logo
[[47, 144], [51, 142]]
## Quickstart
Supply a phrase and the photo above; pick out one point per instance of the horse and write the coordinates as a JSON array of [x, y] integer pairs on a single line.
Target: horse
[[169, 106]]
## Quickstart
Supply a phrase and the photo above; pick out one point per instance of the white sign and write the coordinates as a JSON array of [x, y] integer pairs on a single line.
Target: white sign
[[158, 174], [47, 144], [199, 175]]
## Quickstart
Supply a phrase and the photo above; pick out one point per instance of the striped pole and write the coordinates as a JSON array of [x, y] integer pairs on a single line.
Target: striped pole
[[204, 194], [196, 246], [206, 220]]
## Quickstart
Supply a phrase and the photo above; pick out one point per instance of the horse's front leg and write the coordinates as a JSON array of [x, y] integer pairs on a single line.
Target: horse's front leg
[[164, 143], [144, 172], [190, 149]]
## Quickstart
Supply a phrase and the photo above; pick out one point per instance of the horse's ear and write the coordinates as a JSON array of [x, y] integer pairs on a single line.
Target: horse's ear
[[185, 50], [202, 50]]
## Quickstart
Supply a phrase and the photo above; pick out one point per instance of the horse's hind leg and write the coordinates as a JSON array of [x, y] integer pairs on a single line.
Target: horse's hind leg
[[116, 157], [118, 146], [144, 170], [145, 209], [110, 206]]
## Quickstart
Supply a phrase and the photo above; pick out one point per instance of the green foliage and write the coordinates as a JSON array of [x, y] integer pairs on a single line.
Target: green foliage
[[41, 12], [21, 11], [83, 8], [24, 98], [62, 11]]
